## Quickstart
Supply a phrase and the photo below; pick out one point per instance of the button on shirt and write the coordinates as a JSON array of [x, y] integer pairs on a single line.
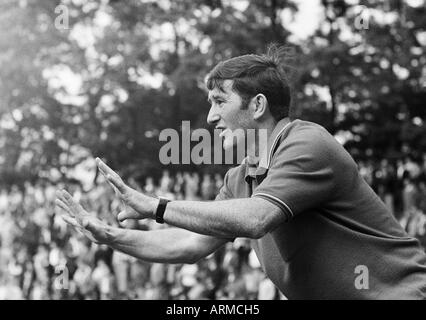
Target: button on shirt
[[339, 240]]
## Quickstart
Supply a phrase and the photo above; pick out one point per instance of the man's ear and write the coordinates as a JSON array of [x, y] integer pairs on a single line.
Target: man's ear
[[260, 104]]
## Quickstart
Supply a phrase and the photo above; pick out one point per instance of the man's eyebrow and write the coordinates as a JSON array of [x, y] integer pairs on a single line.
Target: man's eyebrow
[[215, 97]]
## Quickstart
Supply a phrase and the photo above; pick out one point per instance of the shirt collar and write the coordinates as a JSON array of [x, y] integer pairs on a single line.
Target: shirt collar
[[259, 168]]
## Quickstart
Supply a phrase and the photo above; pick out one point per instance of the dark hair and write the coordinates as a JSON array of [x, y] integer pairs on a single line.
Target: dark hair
[[253, 74]]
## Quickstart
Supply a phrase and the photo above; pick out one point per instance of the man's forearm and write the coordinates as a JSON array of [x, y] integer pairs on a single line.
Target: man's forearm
[[163, 246], [250, 218]]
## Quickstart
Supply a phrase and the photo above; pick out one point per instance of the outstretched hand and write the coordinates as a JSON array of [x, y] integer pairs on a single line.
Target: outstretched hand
[[143, 206], [93, 228]]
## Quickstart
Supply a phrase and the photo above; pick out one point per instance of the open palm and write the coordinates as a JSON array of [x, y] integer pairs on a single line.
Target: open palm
[[93, 228]]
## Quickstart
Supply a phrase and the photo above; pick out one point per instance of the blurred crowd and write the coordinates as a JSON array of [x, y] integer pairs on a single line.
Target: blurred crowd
[[42, 258], [401, 185]]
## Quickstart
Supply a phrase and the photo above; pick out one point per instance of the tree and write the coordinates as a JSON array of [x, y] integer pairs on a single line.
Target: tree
[[370, 78]]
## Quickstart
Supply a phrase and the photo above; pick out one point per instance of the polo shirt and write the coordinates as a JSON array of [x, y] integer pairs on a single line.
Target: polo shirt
[[338, 241]]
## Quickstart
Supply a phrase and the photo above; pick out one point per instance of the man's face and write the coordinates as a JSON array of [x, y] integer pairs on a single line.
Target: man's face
[[228, 114]]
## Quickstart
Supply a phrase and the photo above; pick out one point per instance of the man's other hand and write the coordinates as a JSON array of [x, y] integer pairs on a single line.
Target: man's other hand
[[87, 224], [143, 206]]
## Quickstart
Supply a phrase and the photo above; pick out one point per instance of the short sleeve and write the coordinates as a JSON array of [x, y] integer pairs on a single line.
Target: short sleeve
[[302, 173], [225, 192]]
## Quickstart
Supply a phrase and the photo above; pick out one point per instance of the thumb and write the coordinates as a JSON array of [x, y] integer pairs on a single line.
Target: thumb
[[90, 230], [127, 214], [89, 226]]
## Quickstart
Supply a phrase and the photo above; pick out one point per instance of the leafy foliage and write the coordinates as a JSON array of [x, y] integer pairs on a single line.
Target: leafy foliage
[[121, 73]]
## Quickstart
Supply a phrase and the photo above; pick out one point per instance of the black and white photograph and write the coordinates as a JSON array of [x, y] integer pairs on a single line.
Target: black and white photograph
[[216, 155]]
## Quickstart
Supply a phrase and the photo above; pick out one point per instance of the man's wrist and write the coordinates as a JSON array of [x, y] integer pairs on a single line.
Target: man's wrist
[[154, 205], [114, 235], [161, 208]]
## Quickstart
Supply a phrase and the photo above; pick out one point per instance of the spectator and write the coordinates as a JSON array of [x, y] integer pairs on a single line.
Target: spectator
[[207, 188]]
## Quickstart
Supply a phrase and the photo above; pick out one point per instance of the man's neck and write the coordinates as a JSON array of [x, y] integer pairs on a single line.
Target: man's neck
[[263, 133]]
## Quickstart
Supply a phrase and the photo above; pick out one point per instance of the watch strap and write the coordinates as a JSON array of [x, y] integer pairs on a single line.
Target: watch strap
[[161, 208]]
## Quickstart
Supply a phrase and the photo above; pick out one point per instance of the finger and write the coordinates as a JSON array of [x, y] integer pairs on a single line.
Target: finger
[[89, 226], [59, 203], [62, 206], [111, 176], [79, 226], [58, 193], [128, 223], [60, 196], [75, 207], [62, 211], [103, 168], [65, 197], [117, 182], [74, 224], [93, 231], [77, 210], [126, 214], [71, 221], [116, 192]]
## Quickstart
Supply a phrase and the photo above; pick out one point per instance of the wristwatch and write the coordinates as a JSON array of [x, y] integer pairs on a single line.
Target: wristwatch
[[159, 213]]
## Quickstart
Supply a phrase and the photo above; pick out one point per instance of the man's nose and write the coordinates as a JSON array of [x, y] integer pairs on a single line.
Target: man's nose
[[212, 117]]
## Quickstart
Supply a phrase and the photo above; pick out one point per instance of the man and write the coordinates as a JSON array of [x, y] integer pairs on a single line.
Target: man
[[318, 229]]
